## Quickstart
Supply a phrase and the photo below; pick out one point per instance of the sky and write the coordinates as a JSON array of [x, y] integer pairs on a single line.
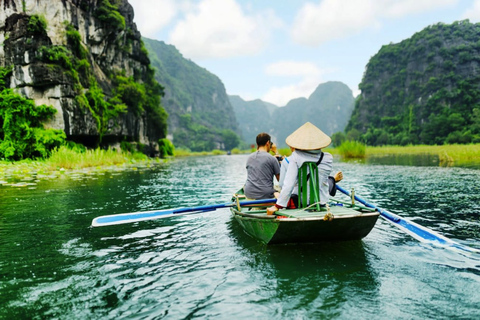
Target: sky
[[278, 50]]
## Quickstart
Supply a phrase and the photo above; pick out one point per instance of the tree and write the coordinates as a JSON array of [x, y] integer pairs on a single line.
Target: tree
[[338, 138], [230, 139]]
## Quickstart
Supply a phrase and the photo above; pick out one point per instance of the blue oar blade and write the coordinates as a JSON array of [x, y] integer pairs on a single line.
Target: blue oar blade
[[130, 217], [122, 218]]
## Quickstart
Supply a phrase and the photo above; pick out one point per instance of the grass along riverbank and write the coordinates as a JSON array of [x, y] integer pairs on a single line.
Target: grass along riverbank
[[447, 154], [66, 162], [75, 164], [454, 154]]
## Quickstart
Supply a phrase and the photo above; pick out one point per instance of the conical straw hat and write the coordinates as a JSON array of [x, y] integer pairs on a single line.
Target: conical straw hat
[[308, 137]]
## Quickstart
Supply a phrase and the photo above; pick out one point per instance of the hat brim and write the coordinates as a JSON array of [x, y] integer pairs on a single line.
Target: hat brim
[[308, 137]]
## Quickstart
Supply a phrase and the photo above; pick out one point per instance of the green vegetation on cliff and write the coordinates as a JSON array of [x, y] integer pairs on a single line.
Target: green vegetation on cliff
[[101, 105], [22, 134], [200, 115], [423, 90], [128, 94]]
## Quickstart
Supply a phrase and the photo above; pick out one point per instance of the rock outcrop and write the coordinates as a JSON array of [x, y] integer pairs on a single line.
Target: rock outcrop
[[422, 90], [86, 59]]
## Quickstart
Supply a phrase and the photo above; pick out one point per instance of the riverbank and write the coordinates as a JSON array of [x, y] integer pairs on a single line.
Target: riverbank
[[65, 162], [74, 164], [453, 154]]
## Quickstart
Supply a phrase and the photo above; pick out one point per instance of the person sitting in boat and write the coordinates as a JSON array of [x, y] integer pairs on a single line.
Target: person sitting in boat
[[261, 168], [306, 143], [332, 181]]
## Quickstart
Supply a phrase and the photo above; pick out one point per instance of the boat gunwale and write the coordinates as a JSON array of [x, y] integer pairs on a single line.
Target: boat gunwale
[[279, 217]]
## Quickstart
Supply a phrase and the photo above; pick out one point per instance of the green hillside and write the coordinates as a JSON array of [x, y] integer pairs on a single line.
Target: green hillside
[[423, 90], [201, 117]]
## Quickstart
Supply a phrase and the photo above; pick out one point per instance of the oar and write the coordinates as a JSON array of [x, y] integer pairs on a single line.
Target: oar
[[158, 214], [415, 230]]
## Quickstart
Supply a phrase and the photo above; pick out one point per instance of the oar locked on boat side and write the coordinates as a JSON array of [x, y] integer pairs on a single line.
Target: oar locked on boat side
[[417, 231]]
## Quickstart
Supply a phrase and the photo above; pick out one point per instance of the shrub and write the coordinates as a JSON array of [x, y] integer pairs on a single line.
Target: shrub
[[22, 133], [352, 149], [126, 146], [37, 24], [4, 76], [217, 152], [75, 42], [166, 148], [230, 139], [108, 13], [58, 55], [338, 138]]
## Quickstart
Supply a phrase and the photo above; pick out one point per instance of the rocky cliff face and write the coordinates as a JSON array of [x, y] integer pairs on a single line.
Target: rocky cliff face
[[86, 59]]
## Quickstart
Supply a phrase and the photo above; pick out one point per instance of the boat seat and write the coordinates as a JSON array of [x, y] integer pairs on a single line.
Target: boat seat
[[309, 186]]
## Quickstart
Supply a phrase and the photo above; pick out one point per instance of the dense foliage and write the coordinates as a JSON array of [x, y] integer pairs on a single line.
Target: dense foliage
[[22, 134], [423, 90], [108, 14], [37, 24], [200, 115], [166, 148]]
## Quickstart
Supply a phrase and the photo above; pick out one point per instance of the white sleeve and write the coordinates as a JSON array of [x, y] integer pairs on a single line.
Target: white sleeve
[[288, 183], [283, 171], [324, 170]]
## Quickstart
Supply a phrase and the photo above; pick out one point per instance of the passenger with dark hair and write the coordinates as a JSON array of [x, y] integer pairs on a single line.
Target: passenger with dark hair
[[261, 168]]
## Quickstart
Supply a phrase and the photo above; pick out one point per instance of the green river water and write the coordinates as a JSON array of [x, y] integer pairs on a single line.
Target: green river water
[[53, 265]]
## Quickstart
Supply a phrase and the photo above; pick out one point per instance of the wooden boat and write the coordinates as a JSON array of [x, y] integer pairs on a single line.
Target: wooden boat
[[338, 221]]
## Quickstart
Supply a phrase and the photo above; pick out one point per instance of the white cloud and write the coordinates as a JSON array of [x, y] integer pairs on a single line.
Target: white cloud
[[153, 15], [220, 28], [316, 23], [398, 9], [292, 68], [473, 13], [280, 96], [308, 73]]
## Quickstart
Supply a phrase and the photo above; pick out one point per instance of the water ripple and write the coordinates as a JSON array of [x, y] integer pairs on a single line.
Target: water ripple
[[53, 265]]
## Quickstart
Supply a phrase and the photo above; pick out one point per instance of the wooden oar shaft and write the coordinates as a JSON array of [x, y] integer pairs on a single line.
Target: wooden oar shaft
[[417, 231]]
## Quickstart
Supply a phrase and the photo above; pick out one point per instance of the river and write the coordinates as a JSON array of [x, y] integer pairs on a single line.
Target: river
[[53, 265]]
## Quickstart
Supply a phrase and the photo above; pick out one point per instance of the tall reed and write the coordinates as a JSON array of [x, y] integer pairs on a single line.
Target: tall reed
[[352, 150], [66, 158], [446, 153]]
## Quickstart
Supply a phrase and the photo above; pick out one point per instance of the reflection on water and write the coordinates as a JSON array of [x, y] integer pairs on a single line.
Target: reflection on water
[[417, 160], [53, 265]]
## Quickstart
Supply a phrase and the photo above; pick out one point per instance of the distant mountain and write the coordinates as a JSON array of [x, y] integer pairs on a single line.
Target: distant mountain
[[201, 117], [423, 90], [253, 116], [329, 107]]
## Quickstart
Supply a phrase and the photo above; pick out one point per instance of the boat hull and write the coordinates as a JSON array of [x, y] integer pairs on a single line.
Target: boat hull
[[278, 229]]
